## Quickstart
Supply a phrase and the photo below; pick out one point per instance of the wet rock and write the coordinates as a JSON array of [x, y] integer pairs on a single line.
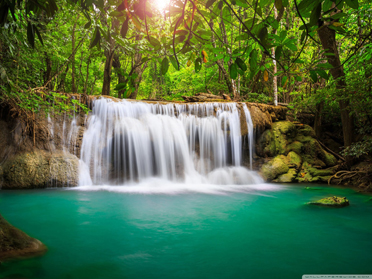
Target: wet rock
[[288, 177], [311, 163], [14, 243], [40, 169], [274, 168], [332, 202]]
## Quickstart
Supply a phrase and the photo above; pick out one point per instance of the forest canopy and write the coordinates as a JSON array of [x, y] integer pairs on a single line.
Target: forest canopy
[[312, 55]]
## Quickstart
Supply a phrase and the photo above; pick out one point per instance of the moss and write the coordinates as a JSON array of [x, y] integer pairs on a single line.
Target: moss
[[294, 160], [310, 174], [304, 139], [288, 177], [332, 202], [305, 130], [328, 158], [285, 127], [274, 168], [295, 146], [15, 243]]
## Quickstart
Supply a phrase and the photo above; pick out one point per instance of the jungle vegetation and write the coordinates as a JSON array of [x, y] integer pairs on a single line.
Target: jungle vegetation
[[314, 56]]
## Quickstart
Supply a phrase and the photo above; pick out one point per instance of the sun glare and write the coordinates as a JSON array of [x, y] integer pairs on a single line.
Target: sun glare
[[161, 5]]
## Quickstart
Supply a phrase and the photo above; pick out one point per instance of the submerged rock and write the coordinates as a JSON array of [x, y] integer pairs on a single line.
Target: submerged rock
[[40, 169], [332, 202], [15, 243]]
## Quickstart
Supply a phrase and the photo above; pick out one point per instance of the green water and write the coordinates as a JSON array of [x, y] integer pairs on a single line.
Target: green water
[[257, 234]]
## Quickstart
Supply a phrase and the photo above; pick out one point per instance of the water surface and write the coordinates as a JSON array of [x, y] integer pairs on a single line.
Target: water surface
[[260, 232]]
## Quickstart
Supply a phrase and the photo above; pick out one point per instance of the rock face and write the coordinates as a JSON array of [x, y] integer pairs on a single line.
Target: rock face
[[332, 202], [15, 243], [40, 169], [206, 97], [295, 154]]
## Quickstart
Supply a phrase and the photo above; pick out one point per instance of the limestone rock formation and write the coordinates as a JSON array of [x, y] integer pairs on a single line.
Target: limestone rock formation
[[206, 97], [40, 169], [295, 153], [16, 243], [332, 202]]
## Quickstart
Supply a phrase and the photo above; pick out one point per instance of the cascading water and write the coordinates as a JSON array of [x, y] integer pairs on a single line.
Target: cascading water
[[127, 143]]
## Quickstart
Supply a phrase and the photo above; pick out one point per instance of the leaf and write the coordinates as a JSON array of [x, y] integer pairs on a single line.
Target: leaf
[[315, 14], [278, 52], [96, 38], [241, 4], [198, 64], [337, 24], [174, 62], [284, 81], [31, 34], [164, 66], [263, 35], [88, 24], [253, 60], [283, 35], [233, 71], [154, 42], [266, 75], [278, 4], [241, 64], [188, 63], [313, 76], [298, 78], [124, 28], [38, 35], [120, 86], [209, 3], [291, 46], [322, 74], [352, 3]]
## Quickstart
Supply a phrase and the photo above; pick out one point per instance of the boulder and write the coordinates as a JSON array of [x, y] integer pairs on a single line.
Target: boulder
[[306, 160], [15, 243], [332, 202], [40, 169], [274, 168]]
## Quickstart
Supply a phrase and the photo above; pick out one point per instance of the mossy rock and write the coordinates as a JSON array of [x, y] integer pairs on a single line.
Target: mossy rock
[[308, 173], [285, 127], [294, 160], [275, 167], [305, 130], [288, 177], [41, 169], [15, 243], [332, 202], [295, 146]]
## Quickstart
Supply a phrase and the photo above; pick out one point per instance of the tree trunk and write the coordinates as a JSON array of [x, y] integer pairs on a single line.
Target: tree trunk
[[318, 119], [48, 71], [87, 77], [275, 78], [327, 37], [221, 66], [138, 70], [73, 87], [121, 78]]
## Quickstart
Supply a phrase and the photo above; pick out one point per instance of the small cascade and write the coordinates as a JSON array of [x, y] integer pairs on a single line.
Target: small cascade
[[250, 134], [64, 134], [129, 142]]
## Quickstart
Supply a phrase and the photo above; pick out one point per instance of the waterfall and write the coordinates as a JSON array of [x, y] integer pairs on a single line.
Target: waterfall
[[128, 142]]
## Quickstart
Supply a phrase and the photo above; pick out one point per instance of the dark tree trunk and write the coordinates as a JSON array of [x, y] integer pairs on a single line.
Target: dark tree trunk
[[318, 119], [73, 87], [139, 69], [121, 78], [327, 37], [48, 70]]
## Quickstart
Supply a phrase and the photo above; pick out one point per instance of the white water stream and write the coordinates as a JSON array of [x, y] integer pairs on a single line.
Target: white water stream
[[194, 145]]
